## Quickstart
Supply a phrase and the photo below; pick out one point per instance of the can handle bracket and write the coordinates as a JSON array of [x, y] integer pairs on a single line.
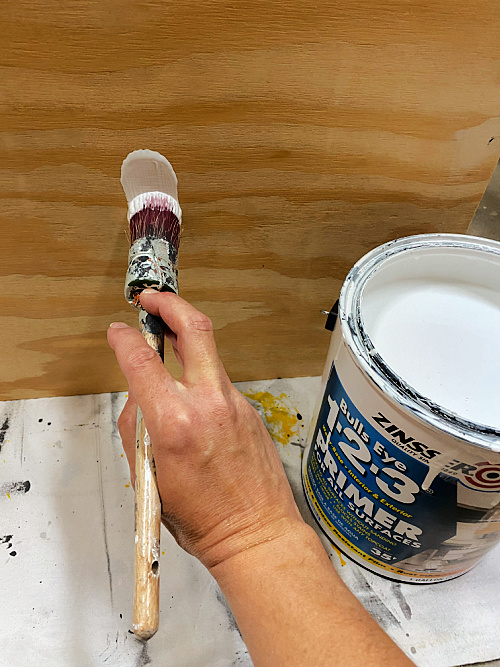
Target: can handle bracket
[[331, 316]]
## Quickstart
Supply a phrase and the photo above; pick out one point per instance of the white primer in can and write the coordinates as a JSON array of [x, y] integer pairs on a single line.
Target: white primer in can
[[403, 467]]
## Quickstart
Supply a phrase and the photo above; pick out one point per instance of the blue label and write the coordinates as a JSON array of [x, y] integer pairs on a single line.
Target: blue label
[[369, 490]]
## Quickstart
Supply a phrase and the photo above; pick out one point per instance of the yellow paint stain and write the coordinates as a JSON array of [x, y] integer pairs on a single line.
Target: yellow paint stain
[[162, 553], [127, 485], [281, 419], [340, 555], [121, 455], [8, 495]]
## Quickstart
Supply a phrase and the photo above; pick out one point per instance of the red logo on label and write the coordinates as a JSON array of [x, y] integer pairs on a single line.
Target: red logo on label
[[486, 477]]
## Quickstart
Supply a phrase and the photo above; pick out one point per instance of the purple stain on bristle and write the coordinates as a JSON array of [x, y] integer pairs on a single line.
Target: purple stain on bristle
[[155, 221]]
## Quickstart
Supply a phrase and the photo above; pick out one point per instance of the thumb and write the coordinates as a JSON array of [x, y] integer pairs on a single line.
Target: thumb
[[141, 365]]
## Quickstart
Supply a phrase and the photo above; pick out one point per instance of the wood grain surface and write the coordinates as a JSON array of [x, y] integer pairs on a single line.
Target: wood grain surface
[[303, 135]]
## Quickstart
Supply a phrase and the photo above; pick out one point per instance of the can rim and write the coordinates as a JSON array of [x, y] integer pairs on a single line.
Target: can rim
[[365, 355]]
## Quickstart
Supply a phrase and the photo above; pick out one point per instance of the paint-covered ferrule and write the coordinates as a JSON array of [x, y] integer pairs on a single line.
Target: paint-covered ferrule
[[151, 263]]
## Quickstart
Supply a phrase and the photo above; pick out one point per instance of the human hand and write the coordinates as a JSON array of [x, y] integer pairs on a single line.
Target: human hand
[[221, 481], [227, 501]]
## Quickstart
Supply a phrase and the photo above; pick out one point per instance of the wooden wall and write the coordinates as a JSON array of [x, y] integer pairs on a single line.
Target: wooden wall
[[303, 135]]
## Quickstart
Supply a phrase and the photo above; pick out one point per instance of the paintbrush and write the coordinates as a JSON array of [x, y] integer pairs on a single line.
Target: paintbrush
[[154, 217]]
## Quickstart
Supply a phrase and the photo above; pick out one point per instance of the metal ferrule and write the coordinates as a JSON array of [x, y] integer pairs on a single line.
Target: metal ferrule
[[151, 263]]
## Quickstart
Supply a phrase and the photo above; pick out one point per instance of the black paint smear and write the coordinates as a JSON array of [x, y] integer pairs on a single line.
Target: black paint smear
[[232, 625], [481, 664], [13, 488], [13, 553], [3, 431], [401, 600], [105, 535], [143, 657], [114, 400], [299, 416], [373, 603], [5, 539]]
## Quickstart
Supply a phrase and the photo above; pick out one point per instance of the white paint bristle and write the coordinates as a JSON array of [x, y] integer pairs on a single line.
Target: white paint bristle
[[154, 199], [146, 172]]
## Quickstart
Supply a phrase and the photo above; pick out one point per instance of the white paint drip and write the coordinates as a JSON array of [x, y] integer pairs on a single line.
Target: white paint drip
[[436, 465]]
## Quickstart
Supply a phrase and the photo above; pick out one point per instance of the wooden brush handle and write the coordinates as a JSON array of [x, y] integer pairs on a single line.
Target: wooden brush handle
[[147, 510]]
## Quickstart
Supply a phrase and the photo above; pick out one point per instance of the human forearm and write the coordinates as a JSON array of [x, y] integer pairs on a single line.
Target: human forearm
[[294, 610]]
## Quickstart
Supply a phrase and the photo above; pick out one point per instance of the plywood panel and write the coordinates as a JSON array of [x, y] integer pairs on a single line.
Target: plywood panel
[[303, 135]]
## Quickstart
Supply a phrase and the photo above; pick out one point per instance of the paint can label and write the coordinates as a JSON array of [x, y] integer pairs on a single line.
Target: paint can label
[[366, 493]]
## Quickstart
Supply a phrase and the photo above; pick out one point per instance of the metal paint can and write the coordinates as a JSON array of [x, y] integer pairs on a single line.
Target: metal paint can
[[402, 470]]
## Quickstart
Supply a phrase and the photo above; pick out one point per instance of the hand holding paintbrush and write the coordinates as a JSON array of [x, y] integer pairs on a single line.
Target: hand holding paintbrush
[[226, 497], [228, 503], [154, 216]]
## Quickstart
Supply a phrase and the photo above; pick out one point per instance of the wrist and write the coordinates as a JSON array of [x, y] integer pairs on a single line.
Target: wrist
[[273, 587], [244, 531], [290, 542]]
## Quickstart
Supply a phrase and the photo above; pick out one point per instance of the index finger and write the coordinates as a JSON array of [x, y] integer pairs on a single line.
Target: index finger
[[194, 331]]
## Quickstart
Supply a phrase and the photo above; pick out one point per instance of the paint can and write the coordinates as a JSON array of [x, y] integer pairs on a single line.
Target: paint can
[[402, 470]]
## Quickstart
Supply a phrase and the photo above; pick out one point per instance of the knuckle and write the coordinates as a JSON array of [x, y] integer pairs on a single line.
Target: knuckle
[[181, 419], [221, 408], [176, 418], [198, 322], [246, 410], [180, 425], [141, 358]]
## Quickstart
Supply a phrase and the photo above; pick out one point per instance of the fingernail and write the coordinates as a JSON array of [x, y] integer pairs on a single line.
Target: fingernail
[[118, 325], [149, 290]]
